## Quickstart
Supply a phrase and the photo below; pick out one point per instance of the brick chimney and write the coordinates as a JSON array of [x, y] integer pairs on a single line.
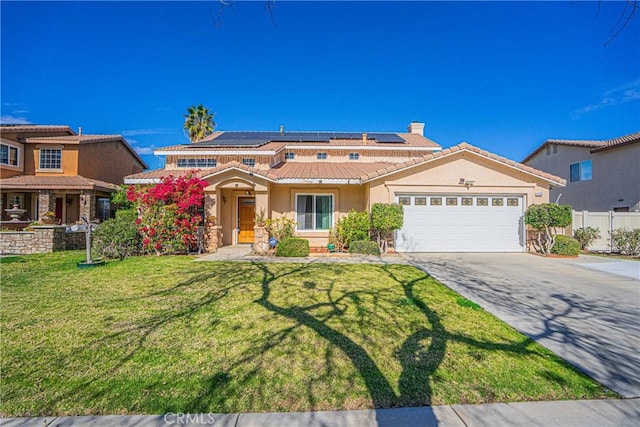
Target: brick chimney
[[416, 127]]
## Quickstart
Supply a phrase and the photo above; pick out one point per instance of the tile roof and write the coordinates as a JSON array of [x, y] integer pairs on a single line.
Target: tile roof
[[34, 128], [37, 182], [468, 147], [595, 144], [356, 171], [617, 142], [325, 170]]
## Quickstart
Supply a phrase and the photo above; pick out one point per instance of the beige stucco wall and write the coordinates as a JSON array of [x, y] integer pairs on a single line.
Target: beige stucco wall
[[345, 198], [442, 176], [615, 176]]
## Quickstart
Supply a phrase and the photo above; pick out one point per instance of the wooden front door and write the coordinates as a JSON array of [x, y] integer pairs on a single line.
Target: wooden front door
[[246, 216]]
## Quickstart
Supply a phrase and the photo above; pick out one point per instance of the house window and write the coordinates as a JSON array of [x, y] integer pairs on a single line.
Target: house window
[[314, 211], [249, 162], [452, 201], [420, 201], [580, 171], [555, 148], [50, 158], [482, 201], [104, 208], [497, 201], [8, 155], [405, 201], [467, 201], [15, 199], [548, 150], [197, 163], [321, 156], [512, 201], [354, 156], [290, 155]]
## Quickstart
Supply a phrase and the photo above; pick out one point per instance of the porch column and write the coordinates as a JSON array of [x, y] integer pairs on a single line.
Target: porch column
[[46, 203], [87, 204], [213, 231]]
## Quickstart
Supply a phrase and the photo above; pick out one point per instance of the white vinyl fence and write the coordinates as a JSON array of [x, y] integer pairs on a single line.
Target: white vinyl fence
[[606, 222]]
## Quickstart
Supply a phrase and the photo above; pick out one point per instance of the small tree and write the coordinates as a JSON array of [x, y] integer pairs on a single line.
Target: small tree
[[280, 228], [168, 215], [385, 219], [354, 226], [545, 218]]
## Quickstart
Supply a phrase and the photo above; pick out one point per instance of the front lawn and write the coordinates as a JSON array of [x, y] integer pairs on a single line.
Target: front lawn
[[152, 335]]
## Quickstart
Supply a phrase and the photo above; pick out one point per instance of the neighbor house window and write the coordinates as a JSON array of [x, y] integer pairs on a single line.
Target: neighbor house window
[[197, 163], [314, 211], [103, 209], [580, 171], [50, 158], [8, 155], [249, 162], [289, 155], [321, 156], [354, 156]]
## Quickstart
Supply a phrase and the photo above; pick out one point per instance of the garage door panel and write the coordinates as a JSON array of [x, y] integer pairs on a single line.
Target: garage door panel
[[462, 228]]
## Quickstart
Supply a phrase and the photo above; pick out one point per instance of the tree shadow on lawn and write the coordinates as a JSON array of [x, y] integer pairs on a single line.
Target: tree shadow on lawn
[[419, 355]]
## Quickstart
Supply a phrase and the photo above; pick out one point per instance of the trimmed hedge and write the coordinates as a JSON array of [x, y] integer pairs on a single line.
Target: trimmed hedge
[[566, 245], [293, 247], [364, 247]]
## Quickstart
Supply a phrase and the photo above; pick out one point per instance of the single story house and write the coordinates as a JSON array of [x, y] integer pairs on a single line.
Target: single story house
[[461, 198]]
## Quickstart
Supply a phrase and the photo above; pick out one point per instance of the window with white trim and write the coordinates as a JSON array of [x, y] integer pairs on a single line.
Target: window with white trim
[[197, 163], [354, 156], [249, 162], [314, 211], [50, 158], [8, 155], [580, 171], [289, 155], [321, 156]]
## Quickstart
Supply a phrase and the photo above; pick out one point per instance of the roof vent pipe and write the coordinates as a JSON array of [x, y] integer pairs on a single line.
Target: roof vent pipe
[[364, 138], [79, 130], [281, 129]]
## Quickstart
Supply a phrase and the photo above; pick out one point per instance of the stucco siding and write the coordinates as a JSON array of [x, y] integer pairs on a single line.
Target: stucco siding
[[615, 180]]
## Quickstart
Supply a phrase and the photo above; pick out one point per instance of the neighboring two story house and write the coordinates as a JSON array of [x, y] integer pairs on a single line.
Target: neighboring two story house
[[53, 169], [457, 199], [602, 175]]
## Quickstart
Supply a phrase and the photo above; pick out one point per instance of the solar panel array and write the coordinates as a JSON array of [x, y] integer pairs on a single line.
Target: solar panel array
[[256, 139]]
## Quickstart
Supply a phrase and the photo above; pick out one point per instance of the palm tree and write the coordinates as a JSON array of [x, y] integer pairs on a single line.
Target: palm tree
[[198, 123]]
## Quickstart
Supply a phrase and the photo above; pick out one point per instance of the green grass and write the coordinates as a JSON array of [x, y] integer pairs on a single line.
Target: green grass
[[166, 334]]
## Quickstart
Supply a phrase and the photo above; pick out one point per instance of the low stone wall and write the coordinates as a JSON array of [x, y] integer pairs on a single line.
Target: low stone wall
[[43, 239]]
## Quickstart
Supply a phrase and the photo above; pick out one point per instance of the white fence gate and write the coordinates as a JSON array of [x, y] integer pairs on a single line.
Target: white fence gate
[[606, 222]]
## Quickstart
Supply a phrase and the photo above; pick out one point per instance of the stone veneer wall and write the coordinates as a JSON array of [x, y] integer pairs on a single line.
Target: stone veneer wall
[[43, 239]]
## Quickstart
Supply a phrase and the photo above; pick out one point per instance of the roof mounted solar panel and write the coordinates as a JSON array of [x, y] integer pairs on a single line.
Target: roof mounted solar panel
[[256, 139]]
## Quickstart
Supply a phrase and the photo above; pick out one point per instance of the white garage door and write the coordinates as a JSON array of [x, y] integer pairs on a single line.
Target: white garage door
[[455, 223]]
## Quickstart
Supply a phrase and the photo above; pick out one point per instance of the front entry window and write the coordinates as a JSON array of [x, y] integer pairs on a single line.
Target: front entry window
[[314, 211]]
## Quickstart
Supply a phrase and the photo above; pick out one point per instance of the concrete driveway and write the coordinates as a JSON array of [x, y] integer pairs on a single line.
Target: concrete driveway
[[577, 308]]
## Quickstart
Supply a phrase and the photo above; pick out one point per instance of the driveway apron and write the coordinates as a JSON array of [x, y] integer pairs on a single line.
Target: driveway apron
[[587, 316]]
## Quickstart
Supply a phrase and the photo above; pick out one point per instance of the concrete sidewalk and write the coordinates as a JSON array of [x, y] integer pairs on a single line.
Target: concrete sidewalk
[[578, 413]]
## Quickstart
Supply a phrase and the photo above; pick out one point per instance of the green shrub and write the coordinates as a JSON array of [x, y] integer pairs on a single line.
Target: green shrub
[[293, 247], [364, 247], [586, 236], [280, 228], [547, 217], [385, 218], [565, 245], [354, 226], [625, 241], [118, 237]]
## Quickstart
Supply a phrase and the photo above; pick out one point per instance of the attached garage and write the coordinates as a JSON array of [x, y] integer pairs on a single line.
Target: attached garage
[[461, 223]]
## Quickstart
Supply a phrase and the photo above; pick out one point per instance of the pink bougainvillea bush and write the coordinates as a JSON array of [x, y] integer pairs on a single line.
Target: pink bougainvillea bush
[[168, 215]]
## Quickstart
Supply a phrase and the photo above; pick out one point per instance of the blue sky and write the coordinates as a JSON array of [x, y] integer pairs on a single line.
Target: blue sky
[[504, 76]]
